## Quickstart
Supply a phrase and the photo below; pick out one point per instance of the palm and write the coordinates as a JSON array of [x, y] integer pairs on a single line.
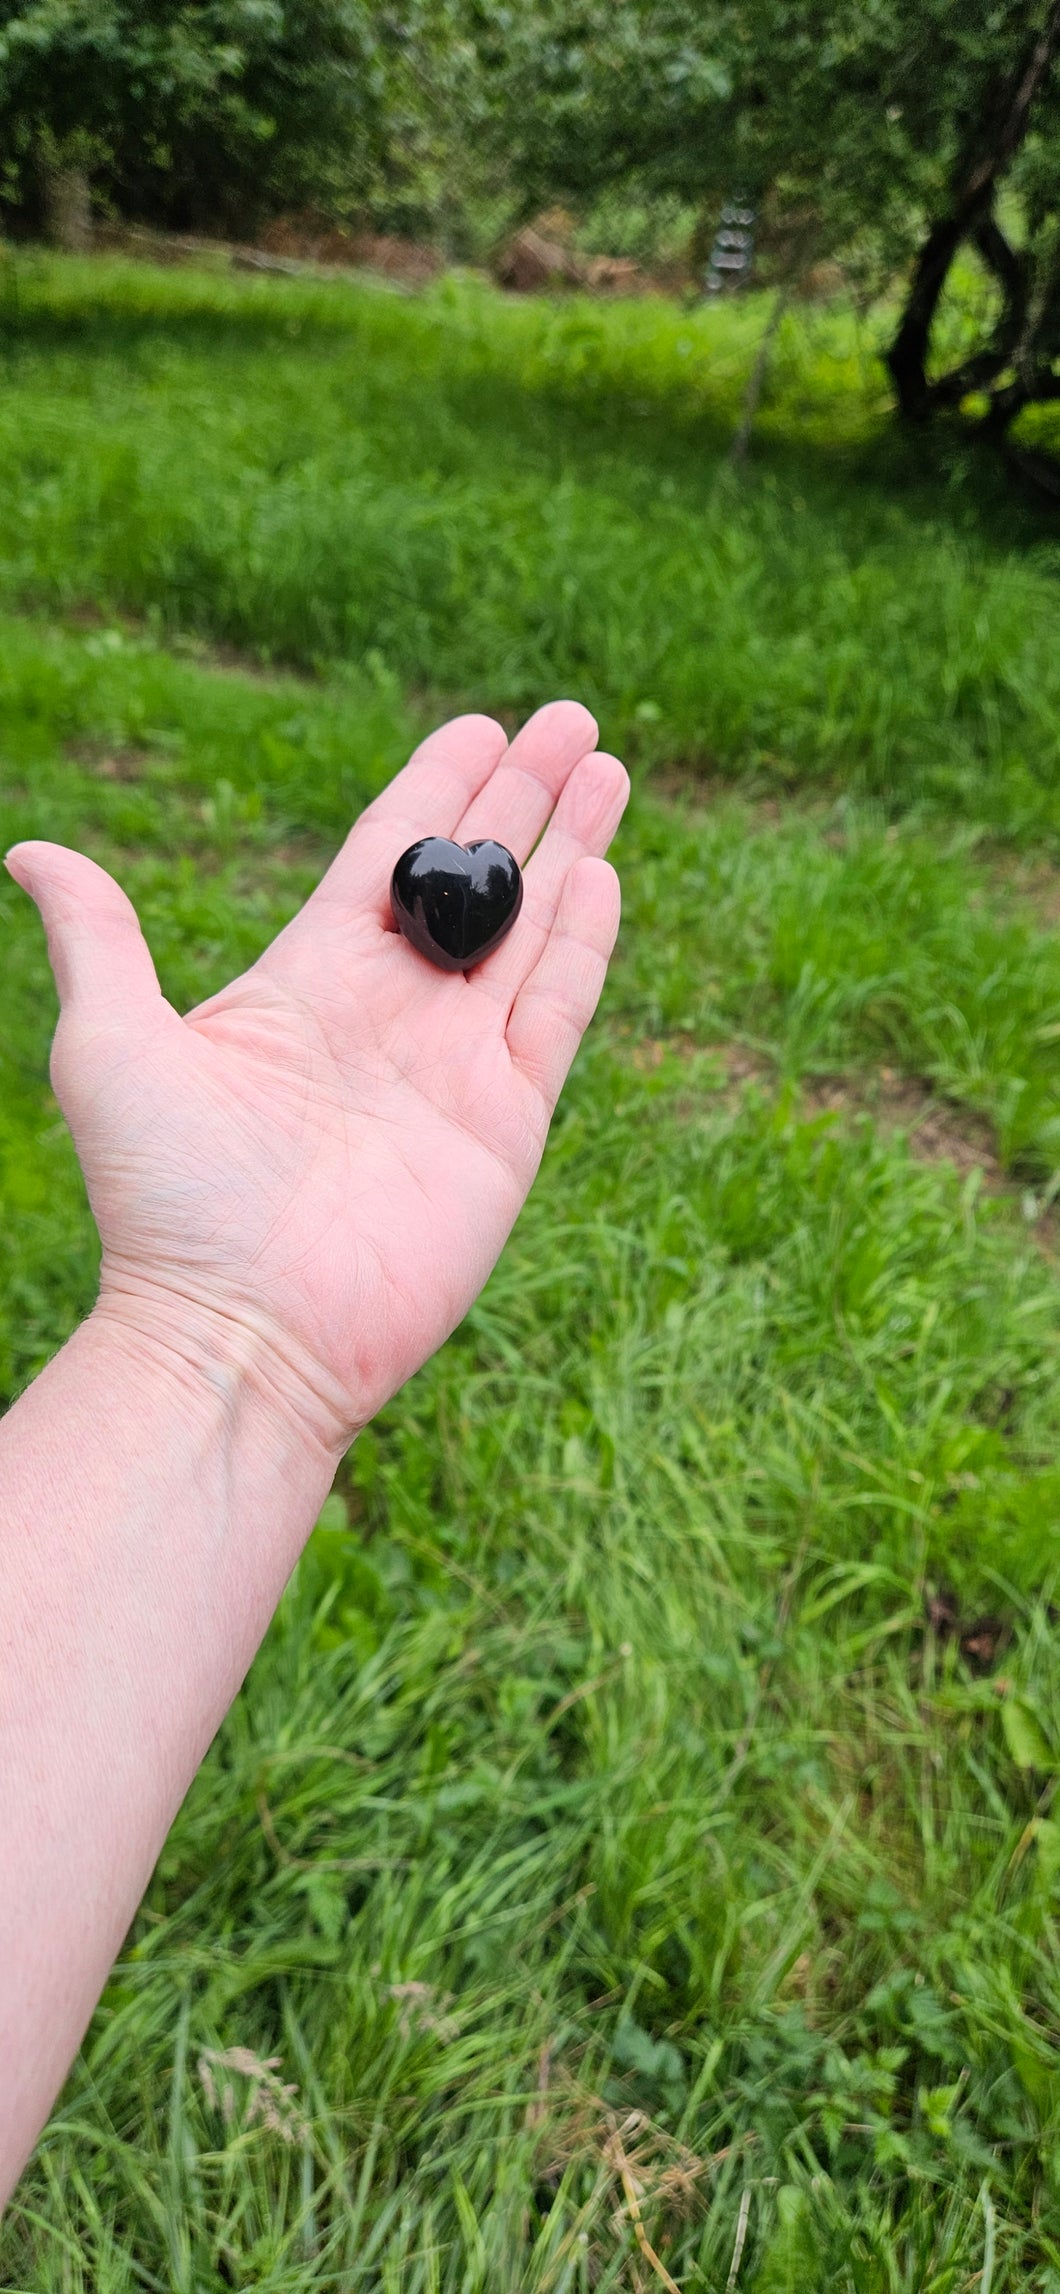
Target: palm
[[334, 1148]]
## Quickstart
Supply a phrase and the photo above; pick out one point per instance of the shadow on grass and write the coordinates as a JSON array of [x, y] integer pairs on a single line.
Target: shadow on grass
[[644, 428]]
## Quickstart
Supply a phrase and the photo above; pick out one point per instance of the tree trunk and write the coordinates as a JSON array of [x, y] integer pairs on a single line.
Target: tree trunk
[[68, 206], [975, 180], [1032, 359], [907, 357]]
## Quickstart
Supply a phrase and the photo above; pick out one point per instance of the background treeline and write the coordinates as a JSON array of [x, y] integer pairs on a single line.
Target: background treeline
[[887, 138]]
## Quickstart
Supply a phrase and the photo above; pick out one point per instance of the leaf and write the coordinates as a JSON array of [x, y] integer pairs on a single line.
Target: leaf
[[789, 2263], [326, 1899], [1047, 1842], [1025, 1737], [936, 2105]]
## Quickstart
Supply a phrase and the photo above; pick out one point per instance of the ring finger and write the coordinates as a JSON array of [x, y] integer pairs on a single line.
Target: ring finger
[[590, 807]]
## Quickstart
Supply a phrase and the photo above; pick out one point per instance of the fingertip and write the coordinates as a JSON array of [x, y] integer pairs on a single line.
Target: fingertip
[[19, 859], [602, 874], [58, 873], [473, 729], [592, 898], [610, 783], [571, 719], [478, 722], [591, 804], [619, 776]]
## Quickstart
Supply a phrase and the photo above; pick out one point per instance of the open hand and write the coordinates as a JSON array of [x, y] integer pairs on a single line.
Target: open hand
[[314, 1172]]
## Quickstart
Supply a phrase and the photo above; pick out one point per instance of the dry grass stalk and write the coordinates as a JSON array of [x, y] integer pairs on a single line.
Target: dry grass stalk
[[616, 2156], [738, 2243], [423, 2008], [269, 2100], [651, 2167]]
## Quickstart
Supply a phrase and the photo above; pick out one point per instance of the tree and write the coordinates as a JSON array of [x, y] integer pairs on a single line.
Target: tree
[[892, 135], [194, 112]]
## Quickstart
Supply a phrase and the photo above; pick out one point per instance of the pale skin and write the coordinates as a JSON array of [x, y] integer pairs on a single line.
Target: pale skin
[[300, 1187]]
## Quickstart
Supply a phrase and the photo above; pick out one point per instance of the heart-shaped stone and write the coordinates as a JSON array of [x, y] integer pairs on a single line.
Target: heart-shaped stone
[[455, 902]]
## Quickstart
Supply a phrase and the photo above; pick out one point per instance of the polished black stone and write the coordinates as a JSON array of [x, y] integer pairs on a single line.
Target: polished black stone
[[455, 902]]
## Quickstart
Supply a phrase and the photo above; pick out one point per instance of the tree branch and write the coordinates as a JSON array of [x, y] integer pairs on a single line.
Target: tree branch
[[974, 181], [742, 436], [1034, 354], [1012, 272]]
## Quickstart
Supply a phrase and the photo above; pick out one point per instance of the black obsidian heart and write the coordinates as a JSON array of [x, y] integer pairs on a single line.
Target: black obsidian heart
[[455, 902]]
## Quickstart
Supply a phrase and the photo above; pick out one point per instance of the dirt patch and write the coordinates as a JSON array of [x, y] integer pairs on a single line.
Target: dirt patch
[[698, 789], [938, 1131], [981, 1640], [230, 660], [533, 263], [312, 239], [738, 1063], [647, 1052], [741, 1063], [311, 245], [109, 762], [1035, 881], [184, 645], [404, 265]]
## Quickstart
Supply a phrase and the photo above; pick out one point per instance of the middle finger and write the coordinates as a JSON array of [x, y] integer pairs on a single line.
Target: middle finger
[[515, 803]]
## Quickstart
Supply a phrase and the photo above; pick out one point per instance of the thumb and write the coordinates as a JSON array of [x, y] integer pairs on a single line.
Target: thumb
[[98, 953]]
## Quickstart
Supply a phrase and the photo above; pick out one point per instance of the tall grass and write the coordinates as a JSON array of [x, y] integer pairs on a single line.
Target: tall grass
[[497, 501], [635, 1838]]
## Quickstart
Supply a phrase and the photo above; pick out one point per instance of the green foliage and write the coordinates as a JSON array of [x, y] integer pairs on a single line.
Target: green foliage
[[857, 116], [194, 114], [654, 1755], [870, 134], [909, 128]]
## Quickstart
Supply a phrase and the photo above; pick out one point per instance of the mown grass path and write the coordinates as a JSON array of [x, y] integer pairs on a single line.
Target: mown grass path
[[642, 1803]]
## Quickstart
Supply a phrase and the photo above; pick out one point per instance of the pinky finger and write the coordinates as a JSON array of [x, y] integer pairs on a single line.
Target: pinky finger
[[556, 1003]]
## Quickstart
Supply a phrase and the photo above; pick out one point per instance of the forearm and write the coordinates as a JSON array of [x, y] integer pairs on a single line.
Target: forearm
[[154, 1497]]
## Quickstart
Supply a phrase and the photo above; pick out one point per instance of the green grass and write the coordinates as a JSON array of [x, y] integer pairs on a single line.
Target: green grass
[[496, 500], [666, 1715]]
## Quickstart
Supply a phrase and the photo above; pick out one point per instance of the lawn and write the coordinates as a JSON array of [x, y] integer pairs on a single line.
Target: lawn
[[630, 1861]]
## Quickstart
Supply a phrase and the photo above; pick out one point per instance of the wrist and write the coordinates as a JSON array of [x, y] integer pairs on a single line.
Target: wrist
[[232, 1361]]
